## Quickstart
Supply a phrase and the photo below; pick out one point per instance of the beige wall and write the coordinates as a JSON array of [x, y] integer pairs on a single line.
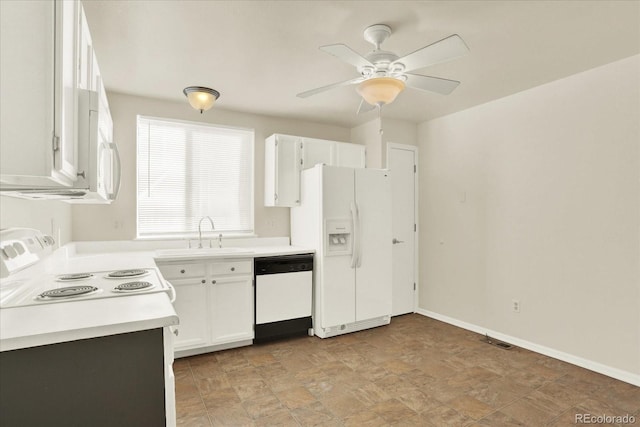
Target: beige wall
[[394, 130], [50, 217], [536, 197], [368, 134], [118, 220]]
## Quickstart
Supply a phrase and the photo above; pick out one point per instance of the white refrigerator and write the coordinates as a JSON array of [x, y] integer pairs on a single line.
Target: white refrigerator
[[345, 215]]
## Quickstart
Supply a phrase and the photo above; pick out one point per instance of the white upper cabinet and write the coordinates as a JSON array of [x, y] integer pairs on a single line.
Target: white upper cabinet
[[88, 75], [38, 102], [350, 155], [286, 155], [282, 155], [84, 53], [316, 151]]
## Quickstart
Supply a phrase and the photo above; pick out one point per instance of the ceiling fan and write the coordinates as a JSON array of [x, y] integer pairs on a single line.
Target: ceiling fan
[[383, 74]]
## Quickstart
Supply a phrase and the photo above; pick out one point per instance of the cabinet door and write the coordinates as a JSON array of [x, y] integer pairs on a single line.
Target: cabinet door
[[350, 155], [84, 53], [316, 151], [287, 171], [232, 309], [192, 307], [66, 153], [37, 106], [26, 74], [282, 170]]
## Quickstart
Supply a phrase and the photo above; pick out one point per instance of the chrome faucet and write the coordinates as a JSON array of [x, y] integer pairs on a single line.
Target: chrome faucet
[[213, 227]]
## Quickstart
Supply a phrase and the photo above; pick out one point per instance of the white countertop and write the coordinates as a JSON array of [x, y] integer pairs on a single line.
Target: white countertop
[[38, 325], [245, 252], [30, 326]]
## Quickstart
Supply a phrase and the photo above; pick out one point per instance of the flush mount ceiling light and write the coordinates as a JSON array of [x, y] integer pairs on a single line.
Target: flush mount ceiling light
[[379, 91], [201, 98]]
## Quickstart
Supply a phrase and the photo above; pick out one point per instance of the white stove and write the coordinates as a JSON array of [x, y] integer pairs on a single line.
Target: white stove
[[49, 302], [21, 249]]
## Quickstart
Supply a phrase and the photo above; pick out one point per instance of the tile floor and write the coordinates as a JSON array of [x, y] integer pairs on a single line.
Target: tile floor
[[415, 372]]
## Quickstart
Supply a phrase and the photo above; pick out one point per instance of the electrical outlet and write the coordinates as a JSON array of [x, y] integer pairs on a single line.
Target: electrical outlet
[[515, 305]]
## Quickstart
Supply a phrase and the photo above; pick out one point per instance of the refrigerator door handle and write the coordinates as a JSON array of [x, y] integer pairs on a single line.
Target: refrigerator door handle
[[355, 235], [359, 257]]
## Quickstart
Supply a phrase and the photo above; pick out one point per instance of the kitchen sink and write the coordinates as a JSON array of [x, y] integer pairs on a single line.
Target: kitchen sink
[[200, 252]]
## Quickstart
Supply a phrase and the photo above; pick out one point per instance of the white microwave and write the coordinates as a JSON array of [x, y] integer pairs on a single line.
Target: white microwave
[[99, 168]]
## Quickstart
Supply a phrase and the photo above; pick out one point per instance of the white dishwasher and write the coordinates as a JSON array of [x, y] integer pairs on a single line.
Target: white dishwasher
[[283, 295]]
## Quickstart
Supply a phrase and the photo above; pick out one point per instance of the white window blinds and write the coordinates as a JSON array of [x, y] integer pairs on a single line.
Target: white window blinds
[[189, 170]]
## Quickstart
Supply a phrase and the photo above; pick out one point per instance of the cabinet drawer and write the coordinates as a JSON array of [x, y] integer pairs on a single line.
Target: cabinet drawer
[[231, 267], [178, 271]]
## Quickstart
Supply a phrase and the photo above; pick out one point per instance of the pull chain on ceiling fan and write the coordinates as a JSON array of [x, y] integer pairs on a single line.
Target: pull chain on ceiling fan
[[383, 74]]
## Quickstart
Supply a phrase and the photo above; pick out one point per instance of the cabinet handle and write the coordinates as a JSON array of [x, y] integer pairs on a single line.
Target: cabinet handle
[[213, 282], [233, 269], [203, 281], [182, 271]]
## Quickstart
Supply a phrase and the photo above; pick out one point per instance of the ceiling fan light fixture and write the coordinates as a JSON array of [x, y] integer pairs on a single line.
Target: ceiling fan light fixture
[[380, 90], [201, 98]]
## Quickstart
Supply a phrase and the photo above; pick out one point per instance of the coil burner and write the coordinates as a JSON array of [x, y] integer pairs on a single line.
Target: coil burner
[[132, 286], [68, 292], [123, 274], [74, 277]]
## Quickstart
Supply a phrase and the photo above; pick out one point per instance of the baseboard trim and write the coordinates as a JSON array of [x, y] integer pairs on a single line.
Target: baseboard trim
[[609, 371]]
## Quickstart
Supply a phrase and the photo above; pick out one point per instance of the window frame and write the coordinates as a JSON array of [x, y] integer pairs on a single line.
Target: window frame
[[194, 234]]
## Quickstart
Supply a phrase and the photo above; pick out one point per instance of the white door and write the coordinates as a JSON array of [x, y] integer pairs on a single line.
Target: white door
[[402, 162], [373, 245]]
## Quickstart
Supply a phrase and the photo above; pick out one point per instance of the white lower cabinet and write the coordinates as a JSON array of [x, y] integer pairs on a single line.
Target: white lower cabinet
[[192, 306], [232, 302], [214, 301]]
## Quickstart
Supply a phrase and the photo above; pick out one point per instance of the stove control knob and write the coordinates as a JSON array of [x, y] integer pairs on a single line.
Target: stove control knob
[[10, 252]]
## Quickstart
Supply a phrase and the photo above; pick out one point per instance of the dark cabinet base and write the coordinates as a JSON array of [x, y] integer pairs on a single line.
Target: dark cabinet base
[[116, 380]]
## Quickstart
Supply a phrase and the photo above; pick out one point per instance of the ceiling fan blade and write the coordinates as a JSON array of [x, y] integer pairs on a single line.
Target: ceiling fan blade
[[331, 86], [364, 107], [431, 84], [346, 54], [443, 50]]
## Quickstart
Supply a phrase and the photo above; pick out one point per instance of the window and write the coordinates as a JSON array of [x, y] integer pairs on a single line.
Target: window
[[189, 170]]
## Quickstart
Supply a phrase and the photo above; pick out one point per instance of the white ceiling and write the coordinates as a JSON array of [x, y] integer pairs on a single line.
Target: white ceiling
[[260, 54]]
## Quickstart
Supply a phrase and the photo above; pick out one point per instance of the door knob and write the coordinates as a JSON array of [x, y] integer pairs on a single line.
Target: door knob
[[396, 241]]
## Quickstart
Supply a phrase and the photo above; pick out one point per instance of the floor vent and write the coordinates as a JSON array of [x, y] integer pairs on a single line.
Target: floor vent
[[498, 343]]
